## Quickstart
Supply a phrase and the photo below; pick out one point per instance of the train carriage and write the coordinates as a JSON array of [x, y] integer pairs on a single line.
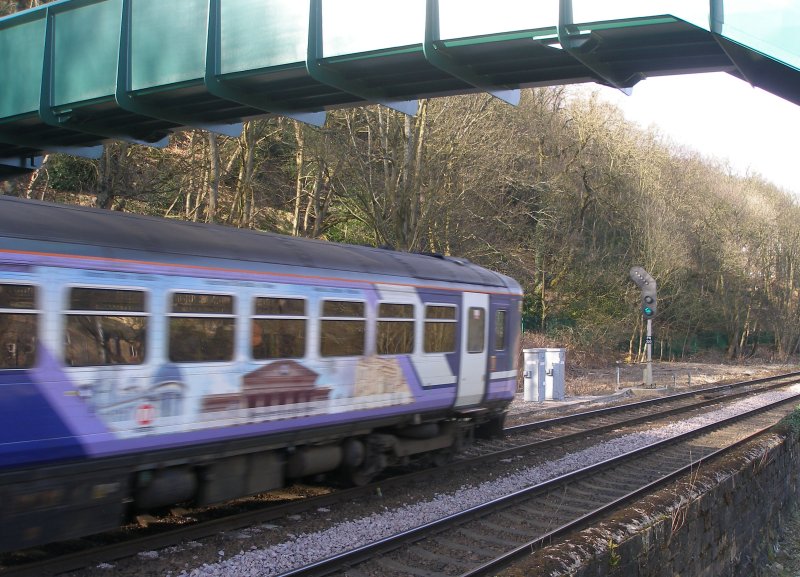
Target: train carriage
[[145, 362]]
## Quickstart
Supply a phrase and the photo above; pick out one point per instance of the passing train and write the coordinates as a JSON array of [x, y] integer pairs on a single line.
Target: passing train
[[146, 362]]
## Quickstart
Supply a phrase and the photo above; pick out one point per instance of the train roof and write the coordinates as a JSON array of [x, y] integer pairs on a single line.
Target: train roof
[[166, 239]]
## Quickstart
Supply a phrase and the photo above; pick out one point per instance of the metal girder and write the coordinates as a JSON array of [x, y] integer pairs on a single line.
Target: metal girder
[[716, 24], [752, 66], [218, 87], [319, 71], [128, 101], [42, 143], [66, 119], [579, 45], [10, 167], [437, 55]]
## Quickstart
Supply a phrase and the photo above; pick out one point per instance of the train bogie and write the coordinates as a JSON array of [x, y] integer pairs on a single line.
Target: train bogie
[[60, 503]]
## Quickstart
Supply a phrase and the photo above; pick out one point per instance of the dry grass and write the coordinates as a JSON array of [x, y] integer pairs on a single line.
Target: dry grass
[[592, 374]]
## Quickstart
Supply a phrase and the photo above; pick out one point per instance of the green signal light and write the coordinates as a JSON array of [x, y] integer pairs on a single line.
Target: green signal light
[[648, 311]]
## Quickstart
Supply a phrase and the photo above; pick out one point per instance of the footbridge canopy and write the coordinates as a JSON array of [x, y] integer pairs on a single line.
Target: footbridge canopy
[[76, 73]]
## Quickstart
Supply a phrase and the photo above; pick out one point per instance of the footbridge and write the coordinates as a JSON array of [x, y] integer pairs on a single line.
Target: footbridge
[[77, 73]]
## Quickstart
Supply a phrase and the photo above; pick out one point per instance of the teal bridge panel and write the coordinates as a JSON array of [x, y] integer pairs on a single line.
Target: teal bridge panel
[[77, 73]]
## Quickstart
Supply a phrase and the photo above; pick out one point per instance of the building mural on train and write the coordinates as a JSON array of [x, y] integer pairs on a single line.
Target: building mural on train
[[277, 390]]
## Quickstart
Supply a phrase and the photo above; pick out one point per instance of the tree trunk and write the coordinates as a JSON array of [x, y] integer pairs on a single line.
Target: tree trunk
[[35, 178], [213, 177], [299, 160]]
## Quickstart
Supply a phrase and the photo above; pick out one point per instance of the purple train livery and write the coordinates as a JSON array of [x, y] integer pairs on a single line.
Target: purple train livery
[[146, 362]]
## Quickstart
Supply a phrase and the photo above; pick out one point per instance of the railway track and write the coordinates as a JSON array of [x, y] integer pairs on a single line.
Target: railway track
[[543, 434], [606, 419], [537, 437], [483, 539]]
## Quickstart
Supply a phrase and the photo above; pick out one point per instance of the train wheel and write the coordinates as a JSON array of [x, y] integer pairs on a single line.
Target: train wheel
[[443, 457], [373, 462], [492, 428], [361, 477]]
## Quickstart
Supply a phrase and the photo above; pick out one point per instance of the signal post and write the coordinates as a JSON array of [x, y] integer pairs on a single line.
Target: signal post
[[647, 284]]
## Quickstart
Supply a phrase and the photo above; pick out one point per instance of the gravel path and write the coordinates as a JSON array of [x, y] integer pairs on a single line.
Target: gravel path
[[304, 548]]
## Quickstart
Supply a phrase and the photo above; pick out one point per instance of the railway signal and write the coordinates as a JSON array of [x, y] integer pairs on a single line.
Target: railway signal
[[647, 284]]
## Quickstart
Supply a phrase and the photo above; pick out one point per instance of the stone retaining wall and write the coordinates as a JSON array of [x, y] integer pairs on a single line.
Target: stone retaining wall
[[719, 523]]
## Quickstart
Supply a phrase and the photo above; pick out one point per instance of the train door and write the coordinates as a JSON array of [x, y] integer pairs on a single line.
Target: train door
[[472, 369]]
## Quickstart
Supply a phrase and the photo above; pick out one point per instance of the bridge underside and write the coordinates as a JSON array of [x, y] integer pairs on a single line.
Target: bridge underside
[[77, 73]]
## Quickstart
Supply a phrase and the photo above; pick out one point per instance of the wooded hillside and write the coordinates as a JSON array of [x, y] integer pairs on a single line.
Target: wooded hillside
[[561, 193]]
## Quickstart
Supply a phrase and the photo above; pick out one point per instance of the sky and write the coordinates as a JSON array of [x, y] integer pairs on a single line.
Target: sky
[[723, 117]]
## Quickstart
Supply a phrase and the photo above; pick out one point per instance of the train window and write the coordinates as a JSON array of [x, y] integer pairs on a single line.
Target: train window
[[202, 303], [18, 321], [280, 307], [98, 335], [279, 328], [395, 329], [440, 329], [476, 326], [342, 309], [500, 330], [91, 299], [201, 328], [17, 296], [342, 329]]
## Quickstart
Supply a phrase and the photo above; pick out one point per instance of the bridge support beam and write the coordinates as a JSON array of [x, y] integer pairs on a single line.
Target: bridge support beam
[[580, 46], [10, 167], [219, 88], [67, 119], [317, 69], [127, 101], [436, 54], [752, 66]]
